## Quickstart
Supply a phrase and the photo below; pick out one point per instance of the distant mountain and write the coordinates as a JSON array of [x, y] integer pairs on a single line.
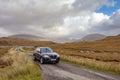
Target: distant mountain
[[109, 44], [28, 37], [5, 41], [93, 37], [118, 34]]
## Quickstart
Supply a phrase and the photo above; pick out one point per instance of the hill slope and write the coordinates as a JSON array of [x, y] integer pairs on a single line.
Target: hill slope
[[93, 37], [28, 37], [111, 44], [5, 41]]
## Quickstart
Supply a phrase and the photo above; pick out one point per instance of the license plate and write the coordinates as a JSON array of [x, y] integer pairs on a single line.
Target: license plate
[[53, 59]]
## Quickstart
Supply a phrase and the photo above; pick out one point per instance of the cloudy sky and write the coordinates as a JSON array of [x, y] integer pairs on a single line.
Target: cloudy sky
[[71, 19]]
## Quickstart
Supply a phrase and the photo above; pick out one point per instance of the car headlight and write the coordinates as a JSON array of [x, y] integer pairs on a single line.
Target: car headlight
[[46, 56], [58, 55]]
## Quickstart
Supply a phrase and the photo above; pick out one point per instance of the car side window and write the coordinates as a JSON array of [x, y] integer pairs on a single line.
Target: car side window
[[41, 50]]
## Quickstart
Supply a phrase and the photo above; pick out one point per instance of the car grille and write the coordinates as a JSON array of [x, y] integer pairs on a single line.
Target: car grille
[[53, 56]]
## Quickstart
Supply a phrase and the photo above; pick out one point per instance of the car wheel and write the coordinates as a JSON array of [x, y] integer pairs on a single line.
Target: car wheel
[[56, 62], [41, 61], [34, 58]]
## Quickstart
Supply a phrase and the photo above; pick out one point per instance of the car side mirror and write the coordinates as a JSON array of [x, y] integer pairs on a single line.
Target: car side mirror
[[39, 51]]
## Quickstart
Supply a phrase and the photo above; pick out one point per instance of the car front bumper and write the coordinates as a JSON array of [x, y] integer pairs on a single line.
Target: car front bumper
[[50, 60]]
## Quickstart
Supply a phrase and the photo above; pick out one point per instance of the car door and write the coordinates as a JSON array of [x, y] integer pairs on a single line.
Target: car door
[[35, 53], [38, 53]]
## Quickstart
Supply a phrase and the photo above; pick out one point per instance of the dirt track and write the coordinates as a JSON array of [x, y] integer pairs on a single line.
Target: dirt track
[[64, 71]]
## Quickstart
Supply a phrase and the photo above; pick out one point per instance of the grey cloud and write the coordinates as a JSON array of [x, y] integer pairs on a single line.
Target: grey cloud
[[44, 17], [109, 26], [88, 5]]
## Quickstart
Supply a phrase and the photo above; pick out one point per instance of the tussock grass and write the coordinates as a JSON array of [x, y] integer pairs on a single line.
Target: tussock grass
[[107, 62], [3, 50], [22, 68], [30, 50], [4, 60], [23, 42], [107, 57], [110, 67]]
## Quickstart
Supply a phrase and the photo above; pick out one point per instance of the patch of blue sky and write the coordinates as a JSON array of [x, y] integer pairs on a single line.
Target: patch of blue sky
[[108, 10]]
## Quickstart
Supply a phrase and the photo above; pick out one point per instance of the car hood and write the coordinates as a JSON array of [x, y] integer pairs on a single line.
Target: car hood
[[53, 53]]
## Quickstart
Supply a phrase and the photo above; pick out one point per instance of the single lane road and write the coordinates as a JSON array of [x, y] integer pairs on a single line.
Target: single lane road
[[65, 71]]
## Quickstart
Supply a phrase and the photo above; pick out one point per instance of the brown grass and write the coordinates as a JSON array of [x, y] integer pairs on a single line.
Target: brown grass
[[4, 60], [22, 42], [30, 50], [102, 55], [110, 67], [104, 50], [106, 57], [3, 50], [21, 68]]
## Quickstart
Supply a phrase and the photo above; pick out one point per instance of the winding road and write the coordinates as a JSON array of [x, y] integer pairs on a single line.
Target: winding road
[[65, 71]]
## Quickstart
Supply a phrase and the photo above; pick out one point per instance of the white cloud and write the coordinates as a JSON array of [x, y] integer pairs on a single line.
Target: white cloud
[[54, 18], [82, 24], [110, 26], [4, 32]]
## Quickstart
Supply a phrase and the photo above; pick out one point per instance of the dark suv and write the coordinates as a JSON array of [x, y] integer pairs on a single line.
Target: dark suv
[[46, 54]]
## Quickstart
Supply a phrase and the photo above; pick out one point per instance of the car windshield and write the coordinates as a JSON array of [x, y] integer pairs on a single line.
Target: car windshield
[[46, 50]]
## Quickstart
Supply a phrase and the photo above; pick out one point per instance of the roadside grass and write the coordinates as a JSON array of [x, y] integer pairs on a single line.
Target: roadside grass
[[102, 61], [29, 50], [106, 57], [110, 67], [4, 60], [22, 67], [3, 50]]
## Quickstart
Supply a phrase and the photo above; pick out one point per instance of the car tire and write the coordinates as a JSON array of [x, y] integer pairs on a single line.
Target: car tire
[[56, 62], [34, 58], [41, 61]]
